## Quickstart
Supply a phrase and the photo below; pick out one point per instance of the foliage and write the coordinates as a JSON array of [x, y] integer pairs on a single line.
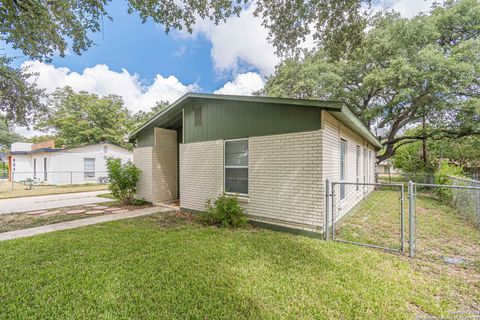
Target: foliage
[[463, 152], [20, 100], [84, 118], [405, 69], [442, 176], [141, 117], [7, 136], [123, 178], [225, 212]]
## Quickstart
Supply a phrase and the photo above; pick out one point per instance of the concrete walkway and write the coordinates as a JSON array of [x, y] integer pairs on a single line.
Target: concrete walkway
[[78, 223], [53, 201]]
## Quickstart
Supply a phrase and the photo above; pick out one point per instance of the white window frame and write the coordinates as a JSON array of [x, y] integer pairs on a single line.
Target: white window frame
[[358, 151], [225, 167], [370, 167], [85, 172], [343, 168]]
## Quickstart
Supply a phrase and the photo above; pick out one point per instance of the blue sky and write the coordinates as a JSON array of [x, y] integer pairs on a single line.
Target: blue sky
[[143, 64]]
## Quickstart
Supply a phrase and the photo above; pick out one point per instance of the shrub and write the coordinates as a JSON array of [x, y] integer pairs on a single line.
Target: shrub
[[123, 180], [225, 212], [442, 176]]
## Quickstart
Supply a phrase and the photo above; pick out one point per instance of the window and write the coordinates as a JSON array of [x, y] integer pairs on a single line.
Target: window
[[357, 168], [34, 168], [45, 169], [197, 110], [365, 165], [236, 166], [343, 150], [370, 167], [89, 168], [105, 149]]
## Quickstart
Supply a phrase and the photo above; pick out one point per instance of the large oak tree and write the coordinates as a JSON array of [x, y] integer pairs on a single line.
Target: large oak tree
[[404, 71]]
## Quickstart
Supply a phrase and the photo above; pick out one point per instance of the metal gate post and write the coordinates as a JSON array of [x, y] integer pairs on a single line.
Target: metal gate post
[[402, 217], [411, 219], [327, 209]]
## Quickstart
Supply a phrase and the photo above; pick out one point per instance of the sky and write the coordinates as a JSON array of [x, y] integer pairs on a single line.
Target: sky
[[144, 65]]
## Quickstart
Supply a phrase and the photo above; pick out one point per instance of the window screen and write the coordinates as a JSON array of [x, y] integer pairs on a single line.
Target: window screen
[[236, 166], [89, 167]]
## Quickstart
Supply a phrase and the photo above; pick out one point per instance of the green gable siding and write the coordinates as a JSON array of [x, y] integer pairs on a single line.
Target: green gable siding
[[237, 119], [145, 138]]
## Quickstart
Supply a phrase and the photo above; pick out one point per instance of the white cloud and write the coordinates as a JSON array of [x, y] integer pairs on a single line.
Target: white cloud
[[243, 84], [103, 81], [243, 39], [407, 8], [239, 40]]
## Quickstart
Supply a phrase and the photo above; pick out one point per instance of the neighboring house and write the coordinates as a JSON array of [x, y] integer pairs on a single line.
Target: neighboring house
[[274, 154], [386, 167], [49, 165]]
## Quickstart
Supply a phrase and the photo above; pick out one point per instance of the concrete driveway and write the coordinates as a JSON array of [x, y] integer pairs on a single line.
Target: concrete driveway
[[51, 201]]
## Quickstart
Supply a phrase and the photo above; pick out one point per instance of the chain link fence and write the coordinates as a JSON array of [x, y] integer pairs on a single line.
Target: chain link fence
[[368, 214], [466, 201], [21, 180]]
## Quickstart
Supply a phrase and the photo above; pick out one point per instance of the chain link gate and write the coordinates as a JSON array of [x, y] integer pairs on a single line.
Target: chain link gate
[[366, 214]]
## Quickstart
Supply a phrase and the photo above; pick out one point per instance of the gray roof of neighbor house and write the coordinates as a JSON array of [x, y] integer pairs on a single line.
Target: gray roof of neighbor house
[[172, 116]]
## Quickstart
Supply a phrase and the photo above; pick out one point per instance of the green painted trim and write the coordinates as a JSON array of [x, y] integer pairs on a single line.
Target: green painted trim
[[270, 226], [274, 227]]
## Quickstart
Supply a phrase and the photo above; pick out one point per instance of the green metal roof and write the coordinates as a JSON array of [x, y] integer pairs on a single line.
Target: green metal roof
[[171, 118]]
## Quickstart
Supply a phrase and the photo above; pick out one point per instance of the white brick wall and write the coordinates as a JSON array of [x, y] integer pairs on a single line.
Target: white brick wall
[[285, 180], [333, 131], [201, 173], [158, 181]]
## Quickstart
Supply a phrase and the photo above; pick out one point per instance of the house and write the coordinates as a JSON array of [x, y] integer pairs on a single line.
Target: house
[[386, 167], [46, 164], [273, 154]]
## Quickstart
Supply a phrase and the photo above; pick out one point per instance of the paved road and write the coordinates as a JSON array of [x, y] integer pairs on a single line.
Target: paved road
[[78, 223], [51, 201]]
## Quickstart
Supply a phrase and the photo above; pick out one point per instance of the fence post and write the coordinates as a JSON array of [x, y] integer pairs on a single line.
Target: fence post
[[411, 219], [71, 177], [327, 209], [402, 217], [13, 179]]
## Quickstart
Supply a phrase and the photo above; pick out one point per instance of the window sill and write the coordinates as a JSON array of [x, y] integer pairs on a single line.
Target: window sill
[[242, 198]]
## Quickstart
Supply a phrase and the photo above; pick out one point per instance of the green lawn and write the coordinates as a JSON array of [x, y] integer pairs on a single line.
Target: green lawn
[[20, 190], [166, 267]]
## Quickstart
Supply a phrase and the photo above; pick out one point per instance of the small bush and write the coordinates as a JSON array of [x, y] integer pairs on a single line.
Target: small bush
[[225, 212], [123, 180], [442, 176]]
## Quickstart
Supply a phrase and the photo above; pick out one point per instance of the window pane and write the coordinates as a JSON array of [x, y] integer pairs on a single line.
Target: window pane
[[89, 168], [236, 153], [236, 180]]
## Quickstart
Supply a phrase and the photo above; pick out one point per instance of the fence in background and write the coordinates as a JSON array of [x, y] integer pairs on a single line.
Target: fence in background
[[46, 178], [466, 200]]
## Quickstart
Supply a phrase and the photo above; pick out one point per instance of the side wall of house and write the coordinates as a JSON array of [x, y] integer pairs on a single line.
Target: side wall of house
[[332, 133], [158, 180], [284, 178]]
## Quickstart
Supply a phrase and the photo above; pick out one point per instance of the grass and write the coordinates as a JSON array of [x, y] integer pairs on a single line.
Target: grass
[[20, 190], [169, 267]]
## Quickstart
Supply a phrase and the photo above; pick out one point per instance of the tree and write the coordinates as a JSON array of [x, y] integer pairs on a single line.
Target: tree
[[141, 117], [84, 118], [20, 100], [7, 136], [404, 70]]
